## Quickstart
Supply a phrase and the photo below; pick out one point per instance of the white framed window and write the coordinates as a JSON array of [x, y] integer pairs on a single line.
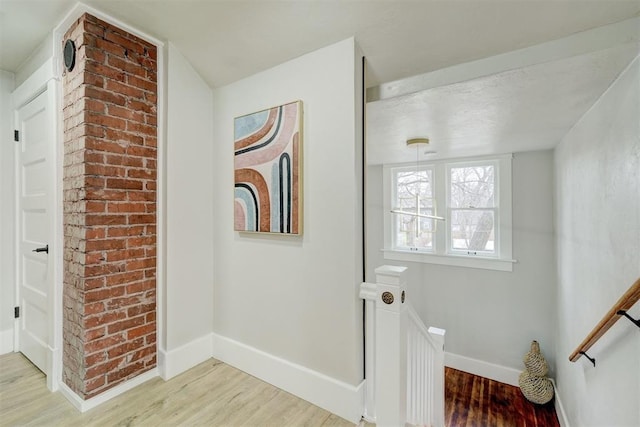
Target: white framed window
[[473, 208], [472, 198], [413, 194]]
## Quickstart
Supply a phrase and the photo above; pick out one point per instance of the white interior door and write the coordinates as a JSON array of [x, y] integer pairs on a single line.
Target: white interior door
[[35, 178]]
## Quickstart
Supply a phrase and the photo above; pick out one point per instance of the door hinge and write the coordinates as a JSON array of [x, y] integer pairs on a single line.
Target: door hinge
[[16, 312], [16, 135]]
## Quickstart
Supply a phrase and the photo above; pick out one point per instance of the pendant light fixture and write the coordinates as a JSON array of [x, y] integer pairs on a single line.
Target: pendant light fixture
[[418, 142]]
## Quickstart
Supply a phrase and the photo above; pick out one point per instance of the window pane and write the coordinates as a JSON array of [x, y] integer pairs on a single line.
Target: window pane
[[415, 232], [424, 233], [472, 187], [472, 230], [414, 185], [414, 194]]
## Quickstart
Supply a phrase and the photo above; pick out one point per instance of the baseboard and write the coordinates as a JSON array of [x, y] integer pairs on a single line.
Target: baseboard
[[176, 361], [492, 371], [6, 341], [499, 373], [344, 400], [560, 412], [84, 405]]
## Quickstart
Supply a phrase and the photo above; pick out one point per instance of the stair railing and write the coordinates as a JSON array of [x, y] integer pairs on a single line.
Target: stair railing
[[618, 310], [404, 358]]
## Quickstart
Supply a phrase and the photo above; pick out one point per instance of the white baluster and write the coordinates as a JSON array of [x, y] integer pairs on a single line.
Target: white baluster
[[405, 360], [437, 337]]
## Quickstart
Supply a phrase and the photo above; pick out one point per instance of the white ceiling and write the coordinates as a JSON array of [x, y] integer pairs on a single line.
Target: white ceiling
[[229, 40], [526, 109]]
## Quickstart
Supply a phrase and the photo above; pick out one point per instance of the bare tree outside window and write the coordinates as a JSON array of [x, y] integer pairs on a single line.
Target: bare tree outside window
[[472, 206], [414, 194], [469, 201]]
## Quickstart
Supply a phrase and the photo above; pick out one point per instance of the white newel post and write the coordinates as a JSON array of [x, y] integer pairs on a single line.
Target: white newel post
[[391, 347], [399, 345]]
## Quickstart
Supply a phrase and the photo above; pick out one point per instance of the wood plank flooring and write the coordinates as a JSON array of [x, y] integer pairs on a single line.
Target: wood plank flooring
[[216, 394], [210, 394], [473, 401]]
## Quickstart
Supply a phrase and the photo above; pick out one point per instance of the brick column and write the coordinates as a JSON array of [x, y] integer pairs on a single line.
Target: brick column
[[110, 140]]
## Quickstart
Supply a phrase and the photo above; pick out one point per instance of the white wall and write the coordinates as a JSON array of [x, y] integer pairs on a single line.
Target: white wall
[[489, 316], [39, 56], [7, 260], [598, 242], [189, 215], [296, 298]]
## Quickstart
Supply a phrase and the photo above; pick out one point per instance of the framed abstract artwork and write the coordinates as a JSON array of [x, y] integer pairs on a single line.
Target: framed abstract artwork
[[268, 170]]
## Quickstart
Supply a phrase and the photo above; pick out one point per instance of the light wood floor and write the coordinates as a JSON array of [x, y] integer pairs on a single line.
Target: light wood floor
[[210, 394], [215, 394]]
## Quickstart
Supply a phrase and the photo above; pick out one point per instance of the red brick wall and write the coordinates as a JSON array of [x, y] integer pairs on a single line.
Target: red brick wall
[[110, 139]]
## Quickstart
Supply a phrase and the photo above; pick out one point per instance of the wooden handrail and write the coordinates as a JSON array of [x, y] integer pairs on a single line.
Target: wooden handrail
[[625, 302]]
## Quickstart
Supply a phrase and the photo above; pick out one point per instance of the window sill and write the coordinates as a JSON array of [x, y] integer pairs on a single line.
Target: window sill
[[452, 260]]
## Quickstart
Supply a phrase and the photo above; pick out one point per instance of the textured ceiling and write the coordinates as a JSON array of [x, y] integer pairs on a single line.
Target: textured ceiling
[[525, 109], [228, 40]]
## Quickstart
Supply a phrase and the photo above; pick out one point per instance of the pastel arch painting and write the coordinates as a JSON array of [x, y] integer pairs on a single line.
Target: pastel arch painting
[[267, 168]]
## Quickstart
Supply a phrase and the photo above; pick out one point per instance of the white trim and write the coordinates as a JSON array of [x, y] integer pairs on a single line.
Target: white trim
[[42, 82], [84, 405], [440, 254], [6, 341], [576, 44], [35, 84], [505, 192], [78, 10], [344, 400], [492, 371], [186, 356], [54, 363], [58, 236], [560, 412], [454, 260], [16, 235], [161, 207], [496, 208]]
